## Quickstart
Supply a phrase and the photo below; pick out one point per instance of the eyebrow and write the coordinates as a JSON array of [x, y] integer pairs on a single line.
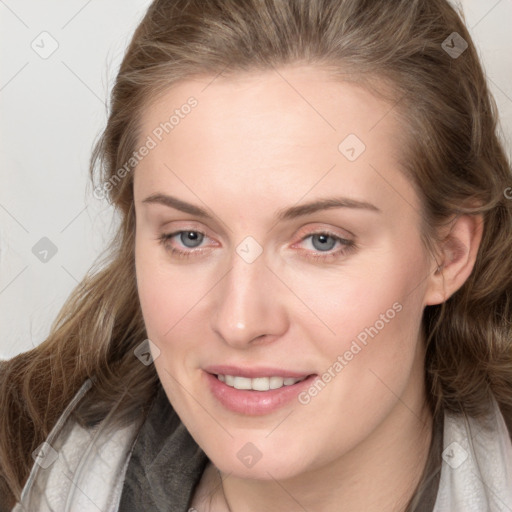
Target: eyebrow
[[283, 214]]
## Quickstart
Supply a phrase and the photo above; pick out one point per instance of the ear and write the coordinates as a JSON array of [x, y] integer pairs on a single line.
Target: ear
[[456, 258]]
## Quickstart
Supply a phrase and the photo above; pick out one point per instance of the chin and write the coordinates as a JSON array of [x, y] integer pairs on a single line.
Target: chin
[[248, 462]]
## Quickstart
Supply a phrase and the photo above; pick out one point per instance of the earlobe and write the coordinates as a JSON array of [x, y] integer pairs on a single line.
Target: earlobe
[[458, 250]]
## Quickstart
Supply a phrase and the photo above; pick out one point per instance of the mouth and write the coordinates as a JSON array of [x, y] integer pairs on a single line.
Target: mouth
[[258, 383], [255, 391]]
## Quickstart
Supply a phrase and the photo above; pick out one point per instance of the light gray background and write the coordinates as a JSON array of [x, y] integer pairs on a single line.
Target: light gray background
[[53, 109]]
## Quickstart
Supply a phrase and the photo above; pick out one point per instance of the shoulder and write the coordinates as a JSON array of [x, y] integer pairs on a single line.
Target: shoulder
[[79, 464], [477, 456]]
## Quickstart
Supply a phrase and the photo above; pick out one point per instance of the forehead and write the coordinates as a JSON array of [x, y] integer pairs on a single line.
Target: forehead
[[258, 99], [296, 122]]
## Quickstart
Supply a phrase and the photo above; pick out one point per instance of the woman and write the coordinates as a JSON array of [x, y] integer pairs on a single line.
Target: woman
[[308, 302]]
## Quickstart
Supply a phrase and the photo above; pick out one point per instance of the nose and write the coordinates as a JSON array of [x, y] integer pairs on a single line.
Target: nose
[[248, 305]]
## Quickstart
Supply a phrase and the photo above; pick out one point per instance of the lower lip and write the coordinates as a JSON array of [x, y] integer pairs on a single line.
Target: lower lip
[[255, 403]]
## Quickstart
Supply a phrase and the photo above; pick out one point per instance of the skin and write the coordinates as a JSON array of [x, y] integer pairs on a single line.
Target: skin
[[253, 146]]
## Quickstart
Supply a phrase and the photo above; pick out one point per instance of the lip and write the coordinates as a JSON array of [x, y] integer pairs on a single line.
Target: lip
[[250, 402], [254, 372]]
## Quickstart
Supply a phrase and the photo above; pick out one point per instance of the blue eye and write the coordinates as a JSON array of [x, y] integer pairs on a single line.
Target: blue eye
[[190, 239], [323, 241], [323, 246]]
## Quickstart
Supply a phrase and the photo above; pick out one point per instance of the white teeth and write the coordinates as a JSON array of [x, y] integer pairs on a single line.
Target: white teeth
[[276, 382], [242, 383], [258, 383], [261, 384]]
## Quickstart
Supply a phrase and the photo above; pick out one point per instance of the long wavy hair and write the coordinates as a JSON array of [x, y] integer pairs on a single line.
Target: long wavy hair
[[452, 154]]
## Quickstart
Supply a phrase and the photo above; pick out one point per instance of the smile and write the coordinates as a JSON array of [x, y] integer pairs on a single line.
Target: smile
[[258, 383], [255, 394]]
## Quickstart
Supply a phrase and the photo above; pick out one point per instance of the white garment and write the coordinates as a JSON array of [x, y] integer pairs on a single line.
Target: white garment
[[90, 465], [89, 471], [477, 465]]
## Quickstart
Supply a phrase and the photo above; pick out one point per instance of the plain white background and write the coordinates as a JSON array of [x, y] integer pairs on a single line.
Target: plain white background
[[58, 61]]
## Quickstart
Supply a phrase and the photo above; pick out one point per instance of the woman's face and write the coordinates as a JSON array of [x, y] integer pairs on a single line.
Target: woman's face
[[293, 251]]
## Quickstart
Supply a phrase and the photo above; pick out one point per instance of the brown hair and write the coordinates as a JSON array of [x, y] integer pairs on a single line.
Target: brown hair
[[453, 156]]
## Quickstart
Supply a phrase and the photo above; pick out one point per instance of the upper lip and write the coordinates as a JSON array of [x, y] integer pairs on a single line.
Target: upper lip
[[254, 371]]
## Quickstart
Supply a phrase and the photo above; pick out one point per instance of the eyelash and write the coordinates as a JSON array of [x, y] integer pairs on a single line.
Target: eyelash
[[347, 245]]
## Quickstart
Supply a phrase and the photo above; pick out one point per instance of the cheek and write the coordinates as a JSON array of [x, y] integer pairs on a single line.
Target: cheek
[[358, 300], [374, 314], [170, 302], [377, 325], [169, 295]]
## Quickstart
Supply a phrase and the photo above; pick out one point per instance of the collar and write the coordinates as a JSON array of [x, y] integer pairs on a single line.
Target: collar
[[476, 472]]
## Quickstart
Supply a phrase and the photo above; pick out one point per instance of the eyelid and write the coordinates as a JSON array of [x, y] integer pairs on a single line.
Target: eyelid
[[318, 228], [179, 225], [182, 225]]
